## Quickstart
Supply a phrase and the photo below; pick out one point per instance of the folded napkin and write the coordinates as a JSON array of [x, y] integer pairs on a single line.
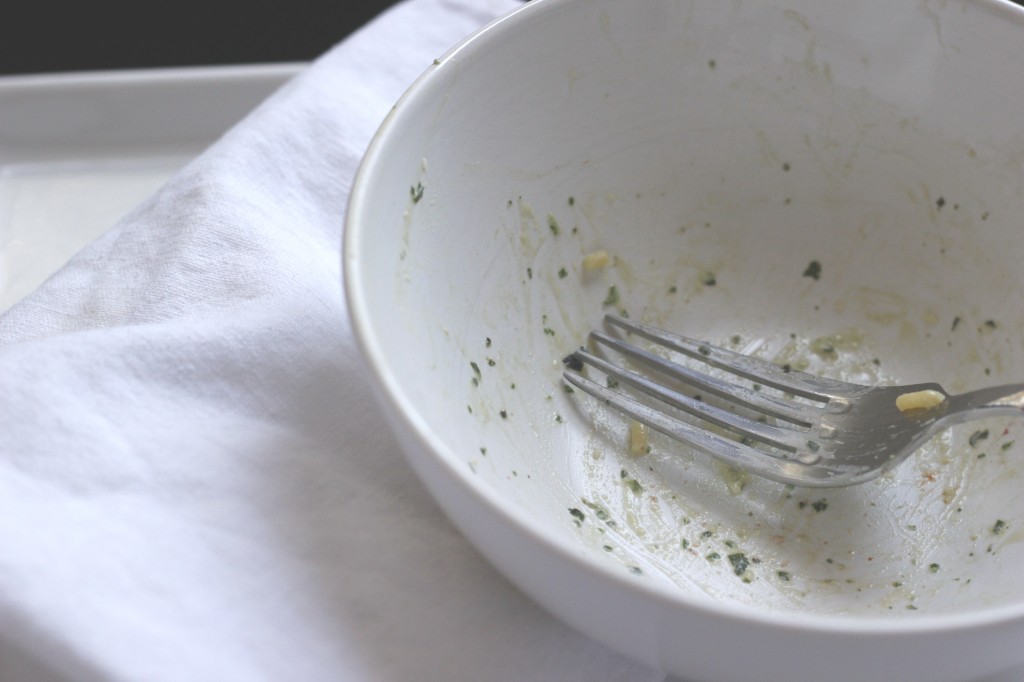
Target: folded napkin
[[194, 481]]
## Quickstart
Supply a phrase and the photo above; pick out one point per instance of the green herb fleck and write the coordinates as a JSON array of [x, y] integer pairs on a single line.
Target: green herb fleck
[[631, 483], [577, 515], [956, 323], [739, 562], [977, 437], [416, 192], [504, 414], [820, 506], [709, 279], [934, 568], [613, 296], [999, 527], [600, 512], [553, 224], [635, 570], [813, 270], [573, 362], [713, 556], [784, 576], [563, 273]]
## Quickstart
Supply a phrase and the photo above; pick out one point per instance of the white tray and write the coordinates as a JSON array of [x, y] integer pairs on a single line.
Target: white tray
[[77, 152]]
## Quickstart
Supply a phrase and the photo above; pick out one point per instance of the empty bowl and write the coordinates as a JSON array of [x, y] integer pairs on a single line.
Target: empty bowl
[[834, 186]]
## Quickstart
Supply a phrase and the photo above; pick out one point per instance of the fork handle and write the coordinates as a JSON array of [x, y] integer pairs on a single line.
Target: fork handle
[[995, 401]]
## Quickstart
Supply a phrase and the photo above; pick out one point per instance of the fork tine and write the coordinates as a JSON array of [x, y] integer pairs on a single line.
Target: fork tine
[[762, 371], [780, 408], [787, 439], [730, 452]]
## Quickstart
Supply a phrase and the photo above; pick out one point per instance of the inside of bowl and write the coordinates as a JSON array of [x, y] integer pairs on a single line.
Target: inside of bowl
[[813, 187]]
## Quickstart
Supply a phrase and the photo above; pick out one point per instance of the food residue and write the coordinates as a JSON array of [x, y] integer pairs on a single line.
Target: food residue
[[595, 260], [918, 401]]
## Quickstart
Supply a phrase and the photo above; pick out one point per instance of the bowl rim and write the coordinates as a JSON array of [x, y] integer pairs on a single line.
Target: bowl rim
[[389, 390]]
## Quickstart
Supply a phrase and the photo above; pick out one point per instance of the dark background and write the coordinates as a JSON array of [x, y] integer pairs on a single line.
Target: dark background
[[43, 36]]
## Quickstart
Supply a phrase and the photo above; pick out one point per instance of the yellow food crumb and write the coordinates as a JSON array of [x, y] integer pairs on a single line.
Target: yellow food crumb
[[596, 260], [638, 443], [913, 401]]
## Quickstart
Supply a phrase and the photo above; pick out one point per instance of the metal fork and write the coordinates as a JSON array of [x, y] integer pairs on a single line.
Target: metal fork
[[815, 431]]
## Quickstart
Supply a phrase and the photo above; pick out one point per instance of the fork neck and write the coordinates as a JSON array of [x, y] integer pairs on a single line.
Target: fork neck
[[994, 401]]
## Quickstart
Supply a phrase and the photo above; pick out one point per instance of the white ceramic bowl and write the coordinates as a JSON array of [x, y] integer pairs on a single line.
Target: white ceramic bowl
[[714, 150]]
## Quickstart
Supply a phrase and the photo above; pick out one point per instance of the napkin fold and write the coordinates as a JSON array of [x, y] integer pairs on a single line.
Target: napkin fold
[[194, 481]]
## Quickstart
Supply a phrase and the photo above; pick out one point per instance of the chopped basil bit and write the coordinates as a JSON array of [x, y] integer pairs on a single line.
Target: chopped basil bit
[[599, 511], [635, 570], [504, 414], [549, 331], [476, 368], [553, 224], [940, 202], [577, 515], [416, 192], [813, 270], [613, 296], [934, 568], [573, 362], [956, 323], [784, 576], [999, 527], [631, 483], [487, 342], [709, 280], [820, 506], [739, 562], [713, 556], [977, 437], [562, 273]]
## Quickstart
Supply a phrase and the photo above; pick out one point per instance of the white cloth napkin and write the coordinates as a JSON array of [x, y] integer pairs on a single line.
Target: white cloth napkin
[[194, 482]]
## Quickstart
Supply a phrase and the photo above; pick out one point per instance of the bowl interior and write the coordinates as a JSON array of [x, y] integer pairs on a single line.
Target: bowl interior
[[826, 184]]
